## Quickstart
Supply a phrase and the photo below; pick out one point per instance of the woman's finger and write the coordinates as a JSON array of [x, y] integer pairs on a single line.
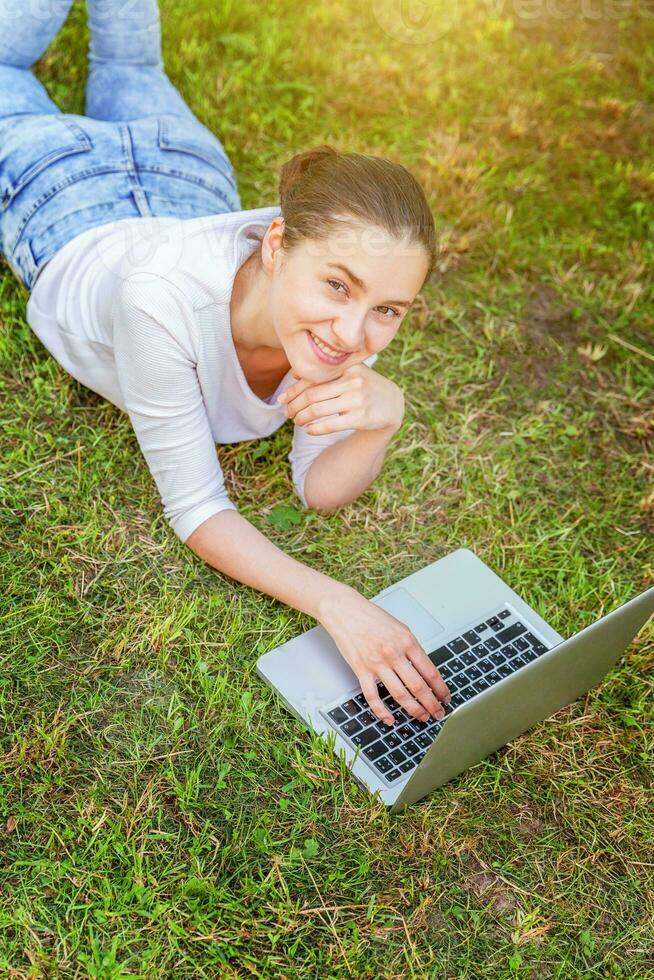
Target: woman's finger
[[432, 675], [290, 393], [312, 394], [403, 696], [331, 423], [418, 687], [375, 703], [316, 411]]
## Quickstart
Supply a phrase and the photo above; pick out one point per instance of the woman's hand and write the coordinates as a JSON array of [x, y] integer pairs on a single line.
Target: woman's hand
[[359, 397], [376, 645]]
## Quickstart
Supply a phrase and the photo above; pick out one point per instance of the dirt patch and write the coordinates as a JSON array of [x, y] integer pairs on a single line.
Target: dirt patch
[[549, 331], [488, 886], [528, 823], [549, 318]]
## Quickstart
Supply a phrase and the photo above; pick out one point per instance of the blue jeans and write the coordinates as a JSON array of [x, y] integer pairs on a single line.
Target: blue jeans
[[138, 151]]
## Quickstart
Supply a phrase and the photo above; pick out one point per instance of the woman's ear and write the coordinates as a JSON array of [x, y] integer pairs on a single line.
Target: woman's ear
[[271, 245]]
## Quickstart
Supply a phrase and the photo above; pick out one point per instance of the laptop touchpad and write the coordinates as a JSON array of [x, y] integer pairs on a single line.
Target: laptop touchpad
[[403, 606]]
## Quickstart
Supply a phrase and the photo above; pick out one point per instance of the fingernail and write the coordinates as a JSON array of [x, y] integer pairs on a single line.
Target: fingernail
[[440, 714]]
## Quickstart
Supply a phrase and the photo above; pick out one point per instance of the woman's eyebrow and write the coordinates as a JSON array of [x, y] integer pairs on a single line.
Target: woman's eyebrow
[[361, 284]]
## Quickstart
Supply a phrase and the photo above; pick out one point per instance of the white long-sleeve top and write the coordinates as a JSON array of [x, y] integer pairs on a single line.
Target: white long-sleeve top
[[138, 311]]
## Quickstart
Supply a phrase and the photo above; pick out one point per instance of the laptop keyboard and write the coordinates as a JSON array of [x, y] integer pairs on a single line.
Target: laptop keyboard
[[469, 664]]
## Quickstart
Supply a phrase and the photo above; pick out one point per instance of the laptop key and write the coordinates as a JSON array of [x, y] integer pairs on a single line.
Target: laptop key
[[364, 738], [383, 764], [497, 659], [402, 716], [423, 740], [395, 774], [458, 645], [421, 755], [392, 740], [457, 699], [397, 756], [529, 655], [361, 698], [405, 732], [418, 726], [492, 643], [494, 623], [471, 637], [455, 664], [479, 650], [408, 765], [367, 718], [539, 647], [509, 651], [510, 633], [338, 715], [521, 644], [351, 707], [482, 684], [411, 748], [391, 703], [482, 628], [382, 690], [468, 658], [493, 676], [505, 670], [440, 655], [504, 614], [374, 751], [485, 664], [473, 673]]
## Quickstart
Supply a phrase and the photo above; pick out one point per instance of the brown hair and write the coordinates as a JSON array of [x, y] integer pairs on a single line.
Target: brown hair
[[320, 185]]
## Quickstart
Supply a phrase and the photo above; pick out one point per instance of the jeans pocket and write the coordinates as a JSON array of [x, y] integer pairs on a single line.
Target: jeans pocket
[[192, 139], [33, 143]]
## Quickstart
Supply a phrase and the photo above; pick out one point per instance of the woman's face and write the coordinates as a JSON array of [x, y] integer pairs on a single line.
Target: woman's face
[[350, 292]]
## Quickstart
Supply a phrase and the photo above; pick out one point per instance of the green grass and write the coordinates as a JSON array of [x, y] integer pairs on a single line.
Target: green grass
[[161, 813]]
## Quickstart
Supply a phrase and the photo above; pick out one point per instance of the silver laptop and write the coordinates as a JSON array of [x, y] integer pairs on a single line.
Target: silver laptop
[[505, 667]]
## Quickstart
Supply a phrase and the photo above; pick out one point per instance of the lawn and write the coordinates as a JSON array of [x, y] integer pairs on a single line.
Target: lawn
[[161, 814]]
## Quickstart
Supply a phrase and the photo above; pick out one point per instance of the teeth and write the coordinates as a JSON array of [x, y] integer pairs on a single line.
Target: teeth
[[328, 350]]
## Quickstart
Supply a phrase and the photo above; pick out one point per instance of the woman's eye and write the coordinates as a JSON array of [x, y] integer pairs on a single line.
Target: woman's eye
[[388, 315]]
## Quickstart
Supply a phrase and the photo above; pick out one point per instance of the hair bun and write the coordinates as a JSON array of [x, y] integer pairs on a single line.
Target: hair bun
[[294, 168]]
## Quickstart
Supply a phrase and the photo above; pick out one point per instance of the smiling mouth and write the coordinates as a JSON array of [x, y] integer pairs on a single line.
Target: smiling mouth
[[330, 351]]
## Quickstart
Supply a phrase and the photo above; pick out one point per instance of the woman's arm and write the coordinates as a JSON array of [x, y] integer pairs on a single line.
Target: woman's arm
[[343, 471], [230, 544], [374, 643]]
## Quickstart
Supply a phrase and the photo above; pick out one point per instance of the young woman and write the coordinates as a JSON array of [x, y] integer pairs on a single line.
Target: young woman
[[209, 324]]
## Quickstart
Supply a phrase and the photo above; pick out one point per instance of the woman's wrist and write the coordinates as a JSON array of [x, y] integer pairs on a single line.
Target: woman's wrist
[[331, 600]]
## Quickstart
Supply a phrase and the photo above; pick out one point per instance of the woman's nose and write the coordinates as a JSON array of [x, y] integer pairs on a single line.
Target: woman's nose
[[349, 334]]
